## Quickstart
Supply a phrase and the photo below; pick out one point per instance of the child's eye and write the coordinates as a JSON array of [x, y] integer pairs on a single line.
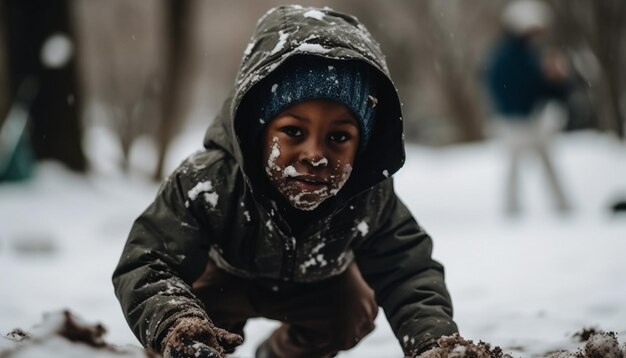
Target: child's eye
[[339, 137], [292, 131]]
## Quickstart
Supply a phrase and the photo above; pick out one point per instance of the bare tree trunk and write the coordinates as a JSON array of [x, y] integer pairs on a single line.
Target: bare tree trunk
[[41, 45], [454, 80], [600, 26], [4, 68], [609, 16], [173, 93]]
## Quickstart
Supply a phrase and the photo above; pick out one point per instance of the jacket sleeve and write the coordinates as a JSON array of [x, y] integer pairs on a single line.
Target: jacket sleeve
[[165, 251], [409, 285]]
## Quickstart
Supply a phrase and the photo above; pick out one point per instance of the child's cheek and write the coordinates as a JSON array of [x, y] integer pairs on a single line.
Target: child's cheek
[[341, 174], [271, 167]]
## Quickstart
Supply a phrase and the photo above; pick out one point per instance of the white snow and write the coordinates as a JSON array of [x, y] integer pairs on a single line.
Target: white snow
[[363, 228], [211, 198], [322, 161], [290, 171], [249, 48], [530, 281], [311, 48], [274, 154], [315, 14], [199, 188], [282, 40]]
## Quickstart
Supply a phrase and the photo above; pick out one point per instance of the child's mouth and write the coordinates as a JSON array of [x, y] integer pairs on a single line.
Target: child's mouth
[[308, 183]]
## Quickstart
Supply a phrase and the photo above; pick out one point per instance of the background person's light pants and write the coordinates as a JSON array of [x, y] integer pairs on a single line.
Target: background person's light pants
[[533, 136]]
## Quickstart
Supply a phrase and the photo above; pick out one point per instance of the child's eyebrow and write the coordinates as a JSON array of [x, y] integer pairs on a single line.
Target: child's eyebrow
[[298, 117], [345, 121], [335, 122]]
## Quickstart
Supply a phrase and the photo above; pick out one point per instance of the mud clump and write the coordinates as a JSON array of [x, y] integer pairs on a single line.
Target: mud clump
[[599, 344], [62, 334], [584, 334], [456, 346]]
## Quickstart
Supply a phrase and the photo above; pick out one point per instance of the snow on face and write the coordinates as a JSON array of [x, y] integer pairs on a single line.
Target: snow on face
[[290, 171], [305, 199], [274, 154], [322, 161], [305, 160]]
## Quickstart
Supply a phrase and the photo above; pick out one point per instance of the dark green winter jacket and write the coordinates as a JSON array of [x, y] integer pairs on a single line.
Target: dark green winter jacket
[[213, 206]]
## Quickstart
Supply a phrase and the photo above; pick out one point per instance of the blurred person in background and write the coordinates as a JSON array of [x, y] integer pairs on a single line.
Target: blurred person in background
[[289, 212], [525, 85]]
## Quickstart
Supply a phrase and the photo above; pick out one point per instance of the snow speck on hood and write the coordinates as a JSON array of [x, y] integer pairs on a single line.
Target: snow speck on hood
[[363, 228], [311, 48], [315, 14], [282, 40], [249, 48]]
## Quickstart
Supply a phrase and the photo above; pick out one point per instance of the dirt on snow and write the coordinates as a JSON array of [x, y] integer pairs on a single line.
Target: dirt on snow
[[62, 334]]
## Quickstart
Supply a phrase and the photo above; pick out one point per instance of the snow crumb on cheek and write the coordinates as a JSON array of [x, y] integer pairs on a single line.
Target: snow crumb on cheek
[[274, 87], [290, 171], [274, 154], [386, 173], [247, 215]]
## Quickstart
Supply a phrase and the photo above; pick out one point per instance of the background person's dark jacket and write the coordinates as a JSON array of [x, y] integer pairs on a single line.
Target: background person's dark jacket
[[516, 82], [207, 208]]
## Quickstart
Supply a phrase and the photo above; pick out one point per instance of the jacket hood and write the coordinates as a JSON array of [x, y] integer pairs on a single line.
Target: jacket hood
[[288, 31]]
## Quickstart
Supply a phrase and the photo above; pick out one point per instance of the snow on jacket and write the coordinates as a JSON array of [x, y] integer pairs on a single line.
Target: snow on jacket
[[209, 206]]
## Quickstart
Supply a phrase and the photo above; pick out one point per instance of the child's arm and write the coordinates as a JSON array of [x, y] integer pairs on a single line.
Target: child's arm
[[396, 261], [166, 250]]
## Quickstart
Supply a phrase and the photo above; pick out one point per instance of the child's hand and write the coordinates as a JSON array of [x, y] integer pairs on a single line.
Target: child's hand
[[196, 337]]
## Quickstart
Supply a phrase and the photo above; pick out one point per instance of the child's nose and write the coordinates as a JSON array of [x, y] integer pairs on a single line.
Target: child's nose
[[312, 154]]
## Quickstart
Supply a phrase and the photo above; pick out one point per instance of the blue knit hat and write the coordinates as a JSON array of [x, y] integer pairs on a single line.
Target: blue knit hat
[[314, 77]]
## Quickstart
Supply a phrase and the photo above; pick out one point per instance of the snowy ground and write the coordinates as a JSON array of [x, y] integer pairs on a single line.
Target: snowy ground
[[526, 284]]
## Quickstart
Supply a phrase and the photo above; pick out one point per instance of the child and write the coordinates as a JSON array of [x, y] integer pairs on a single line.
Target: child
[[289, 212]]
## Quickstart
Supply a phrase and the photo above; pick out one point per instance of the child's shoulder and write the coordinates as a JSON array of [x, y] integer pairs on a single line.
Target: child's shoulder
[[206, 170]]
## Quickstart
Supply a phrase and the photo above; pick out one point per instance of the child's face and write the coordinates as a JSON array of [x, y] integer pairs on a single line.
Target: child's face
[[309, 150]]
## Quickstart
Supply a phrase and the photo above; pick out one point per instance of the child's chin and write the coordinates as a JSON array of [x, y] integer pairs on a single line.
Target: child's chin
[[306, 202]]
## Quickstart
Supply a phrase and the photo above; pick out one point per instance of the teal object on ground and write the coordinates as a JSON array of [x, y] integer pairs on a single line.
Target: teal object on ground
[[17, 160]]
